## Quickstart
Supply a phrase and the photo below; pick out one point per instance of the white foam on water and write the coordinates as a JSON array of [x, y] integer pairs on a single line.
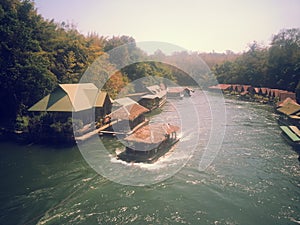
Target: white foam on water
[[169, 159], [46, 220]]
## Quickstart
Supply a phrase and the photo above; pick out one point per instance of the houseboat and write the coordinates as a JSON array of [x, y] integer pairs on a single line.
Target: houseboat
[[289, 111], [175, 92], [149, 143], [155, 98], [179, 92], [126, 117]]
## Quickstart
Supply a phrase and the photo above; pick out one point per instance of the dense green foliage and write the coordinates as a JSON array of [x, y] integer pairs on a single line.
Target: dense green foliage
[[24, 65], [37, 54], [276, 66]]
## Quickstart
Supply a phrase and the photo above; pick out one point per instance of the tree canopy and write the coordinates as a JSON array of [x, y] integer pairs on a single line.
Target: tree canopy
[[276, 66], [37, 54]]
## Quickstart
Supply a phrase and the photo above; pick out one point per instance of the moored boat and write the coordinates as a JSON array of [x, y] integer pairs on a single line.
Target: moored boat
[[179, 92], [149, 143]]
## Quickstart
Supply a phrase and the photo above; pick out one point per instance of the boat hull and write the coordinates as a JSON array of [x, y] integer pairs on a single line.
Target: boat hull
[[151, 156]]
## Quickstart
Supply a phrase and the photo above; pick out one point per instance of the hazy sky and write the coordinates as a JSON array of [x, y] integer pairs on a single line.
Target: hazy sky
[[196, 25]]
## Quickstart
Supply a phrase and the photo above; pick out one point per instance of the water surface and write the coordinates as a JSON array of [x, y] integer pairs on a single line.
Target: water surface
[[255, 179]]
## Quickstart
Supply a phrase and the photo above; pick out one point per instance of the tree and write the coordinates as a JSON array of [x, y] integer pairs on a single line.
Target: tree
[[284, 59], [23, 66], [276, 67]]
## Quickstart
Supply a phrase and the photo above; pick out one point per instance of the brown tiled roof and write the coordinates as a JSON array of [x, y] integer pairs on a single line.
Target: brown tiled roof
[[286, 101], [256, 90], [221, 86], [287, 94], [275, 92], [128, 112], [224, 86], [152, 133]]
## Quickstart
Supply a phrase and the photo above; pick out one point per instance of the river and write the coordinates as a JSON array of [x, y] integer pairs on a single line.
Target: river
[[253, 178]]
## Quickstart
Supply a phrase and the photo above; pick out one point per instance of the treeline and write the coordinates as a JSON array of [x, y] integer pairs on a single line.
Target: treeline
[[275, 66], [213, 58], [37, 54]]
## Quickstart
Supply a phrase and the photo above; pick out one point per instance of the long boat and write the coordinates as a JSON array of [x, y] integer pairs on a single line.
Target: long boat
[[149, 143]]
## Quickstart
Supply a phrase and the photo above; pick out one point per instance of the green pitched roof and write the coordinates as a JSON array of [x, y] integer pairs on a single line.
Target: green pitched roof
[[101, 99], [290, 134], [40, 105], [70, 98]]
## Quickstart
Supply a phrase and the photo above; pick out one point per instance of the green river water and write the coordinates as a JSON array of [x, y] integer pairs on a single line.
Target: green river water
[[254, 179]]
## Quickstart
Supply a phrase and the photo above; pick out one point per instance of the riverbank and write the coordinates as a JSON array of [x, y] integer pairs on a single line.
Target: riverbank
[[258, 94], [13, 135], [26, 138], [283, 102]]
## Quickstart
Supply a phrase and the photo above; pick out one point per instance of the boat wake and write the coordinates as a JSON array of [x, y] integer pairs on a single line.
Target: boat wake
[[175, 155]]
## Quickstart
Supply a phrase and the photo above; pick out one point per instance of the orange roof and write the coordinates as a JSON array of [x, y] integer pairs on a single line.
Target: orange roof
[[286, 101], [275, 92], [287, 94], [152, 133], [256, 90], [224, 86], [128, 112], [221, 86]]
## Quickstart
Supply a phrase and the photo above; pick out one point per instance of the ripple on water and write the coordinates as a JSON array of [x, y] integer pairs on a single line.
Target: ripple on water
[[254, 179]]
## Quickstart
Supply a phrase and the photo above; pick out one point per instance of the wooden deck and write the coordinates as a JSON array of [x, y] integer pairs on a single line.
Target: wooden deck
[[102, 130], [93, 132], [125, 133]]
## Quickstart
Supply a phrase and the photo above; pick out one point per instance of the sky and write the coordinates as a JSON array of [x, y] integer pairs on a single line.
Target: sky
[[195, 25]]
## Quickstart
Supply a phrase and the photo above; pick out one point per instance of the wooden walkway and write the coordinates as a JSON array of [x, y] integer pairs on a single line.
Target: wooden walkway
[[102, 130], [125, 133], [93, 132]]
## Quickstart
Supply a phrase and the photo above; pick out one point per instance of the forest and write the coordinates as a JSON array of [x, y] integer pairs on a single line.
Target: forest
[[274, 66], [37, 54]]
